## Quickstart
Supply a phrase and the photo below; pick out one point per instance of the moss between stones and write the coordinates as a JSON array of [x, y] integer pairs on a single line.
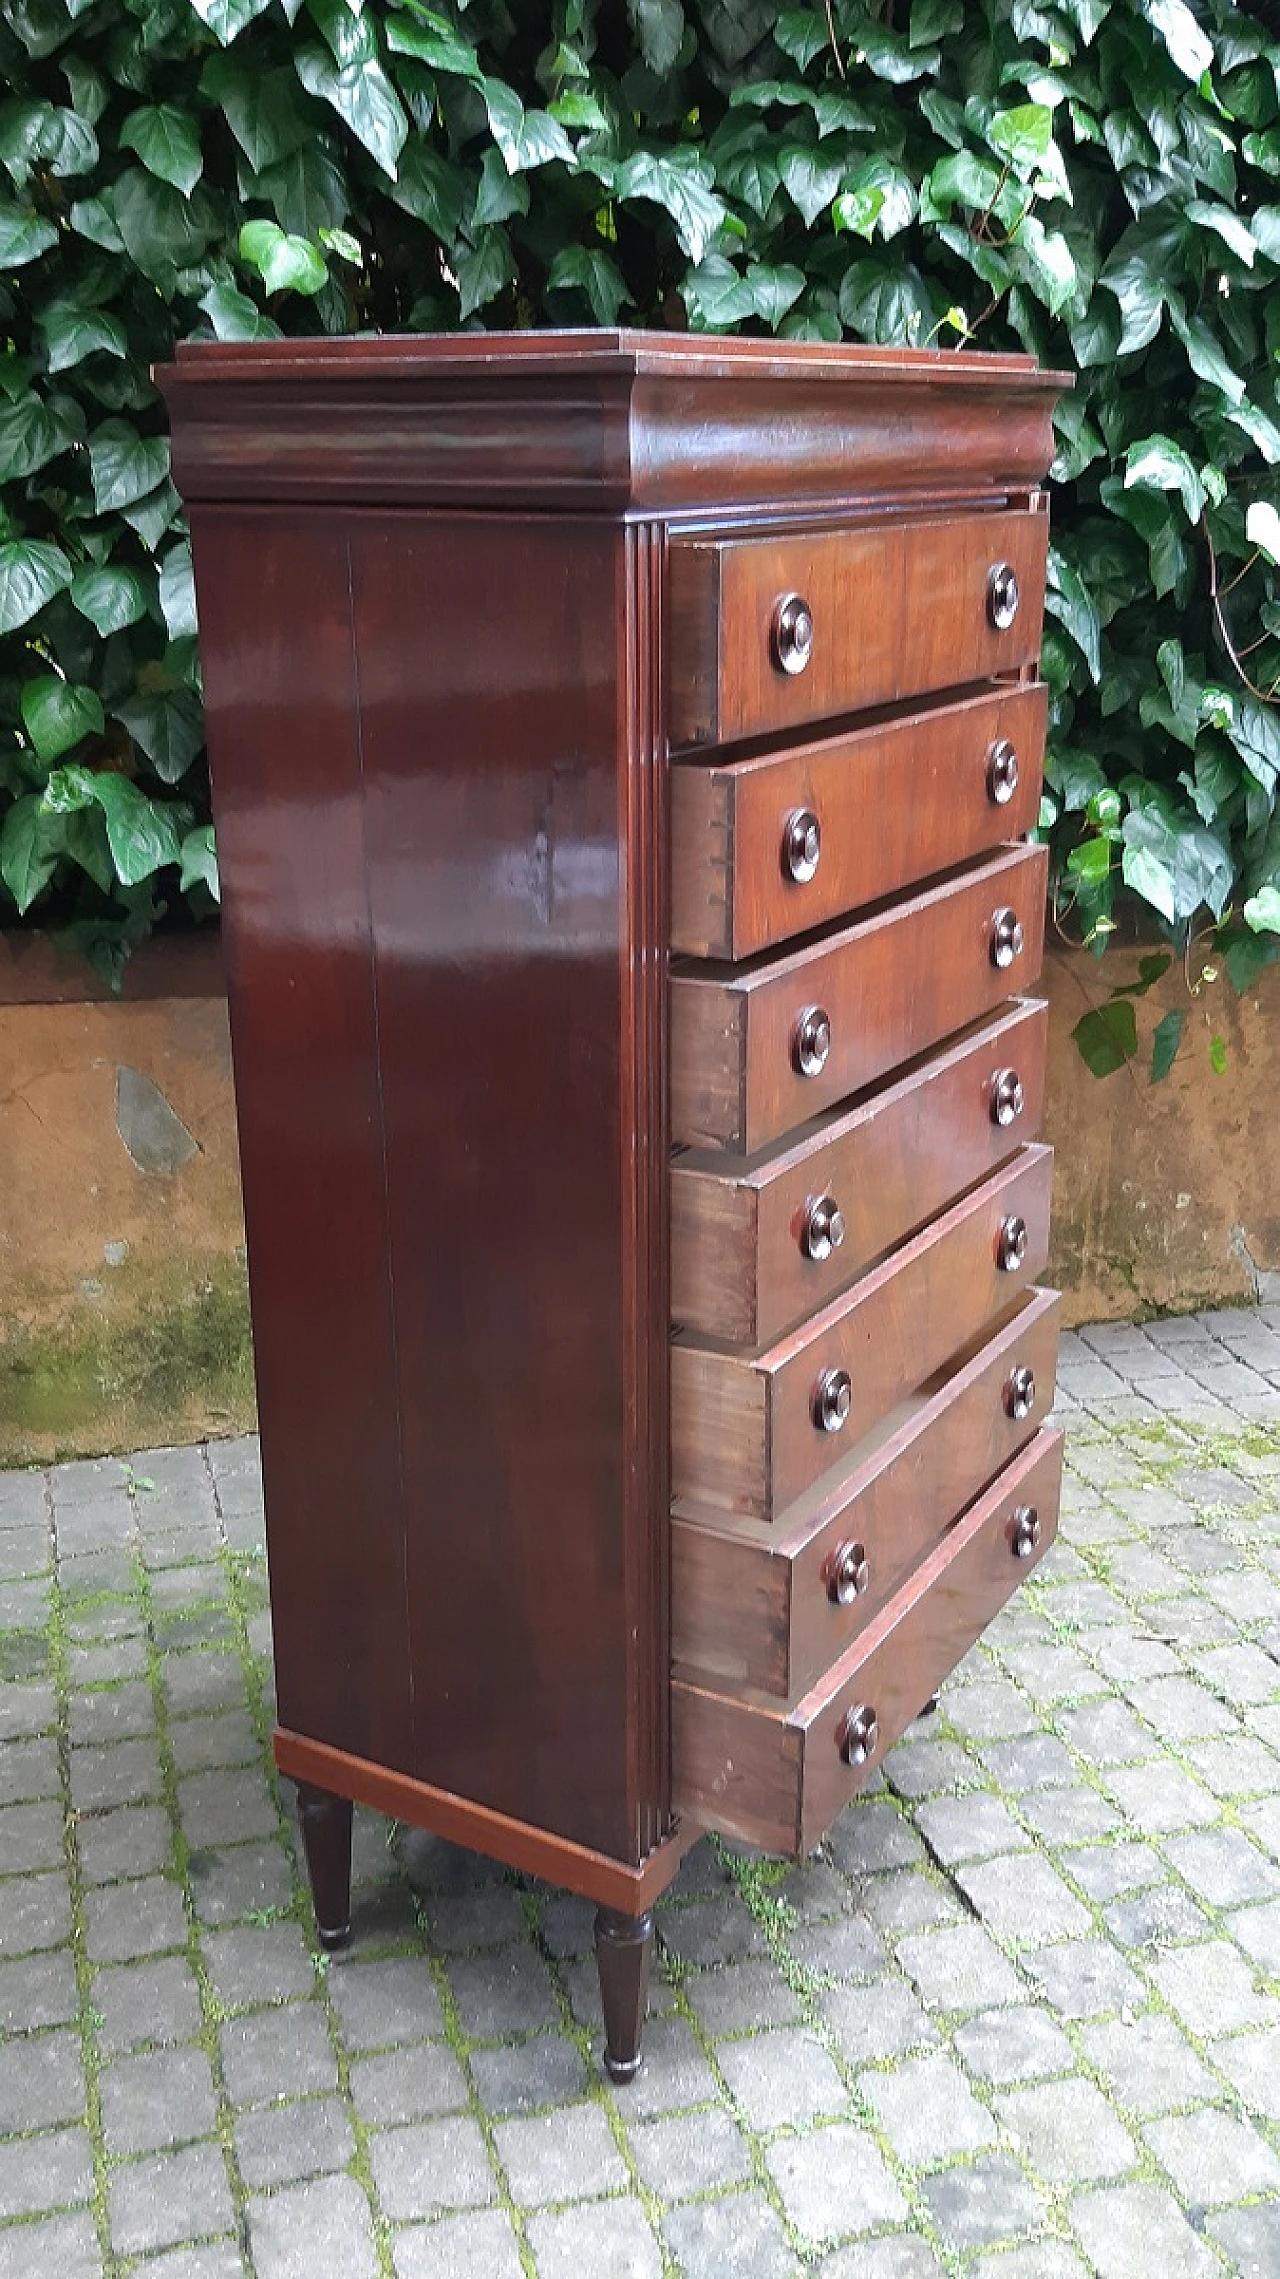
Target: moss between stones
[[169, 1359]]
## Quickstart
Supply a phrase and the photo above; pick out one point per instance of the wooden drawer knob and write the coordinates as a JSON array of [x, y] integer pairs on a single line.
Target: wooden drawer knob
[[1006, 938], [832, 1400], [1011, 1244], [1007, 1098], [1019, 1393], [1024, 1535], [1002, 772], [1002, 595], [792, 633], [812, 1040], [846, 1573], [823, 1228], [859, 1734], [801, 845]]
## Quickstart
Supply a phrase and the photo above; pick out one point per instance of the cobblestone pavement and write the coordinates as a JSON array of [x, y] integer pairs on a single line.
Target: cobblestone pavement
[[1019, 2018]]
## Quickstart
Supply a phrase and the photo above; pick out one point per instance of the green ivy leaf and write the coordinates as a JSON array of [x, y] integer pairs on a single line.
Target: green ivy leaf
[[124, 464], [1218, 1055], [433, 40], [589, 270], [58, 714], [1157, 463], [226, 19], [141, 832], [659, 29], [484, 270], [1255, 731], [199, 858], [284, 263], [72, 332], [1107, 1037], [166, 726], [260, 107], [235, 317], [1262, 910], [41, 137], [430, 188], [1069, 600], [178, 592], [1023, 137], [166, 141], [675, 183], [111, 598], [810, 179], [1165, 1043], [30, 843], [1188, 46], [363, 96], [31, 572], [24, 235], [31, 434]]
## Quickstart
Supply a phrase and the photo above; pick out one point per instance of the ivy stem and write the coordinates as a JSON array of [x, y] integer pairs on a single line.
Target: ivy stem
[[1264, 696]]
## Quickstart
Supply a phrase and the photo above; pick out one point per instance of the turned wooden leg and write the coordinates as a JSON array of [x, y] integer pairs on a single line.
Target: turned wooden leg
[[326, 1837], [624, 1944]]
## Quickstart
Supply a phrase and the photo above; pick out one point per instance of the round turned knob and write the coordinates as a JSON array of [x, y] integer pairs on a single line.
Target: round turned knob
[[1011, 1244], [1019, 1393], [1024, 1535], [1006, 938], [801, 845], [792, 633], [823, 1228], [812, 1040], [1002, 595], [1002, 772], [846, 1573], [1007, 1098], [832, 1399], [858, 1735]]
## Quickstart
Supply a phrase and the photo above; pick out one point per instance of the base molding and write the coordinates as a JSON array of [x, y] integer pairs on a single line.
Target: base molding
[[592, 1875]]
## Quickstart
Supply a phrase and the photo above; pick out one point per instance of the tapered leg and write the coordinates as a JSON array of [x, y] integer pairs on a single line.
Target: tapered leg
[[326, 1836], [624, 1944]]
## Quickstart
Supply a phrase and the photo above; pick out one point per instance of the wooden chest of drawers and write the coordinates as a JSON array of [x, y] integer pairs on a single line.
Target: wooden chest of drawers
[[623, 750]]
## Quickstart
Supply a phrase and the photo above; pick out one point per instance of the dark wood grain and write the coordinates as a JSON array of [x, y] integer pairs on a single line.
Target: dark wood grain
[[325, 1822], [899, 608], [739, 1267], [894, 983], [775, 1777], [743, 1432], [894, 802], [752, 1610]]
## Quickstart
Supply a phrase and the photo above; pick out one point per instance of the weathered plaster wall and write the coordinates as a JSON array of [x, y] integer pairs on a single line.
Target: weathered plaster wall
[[123, 1303]]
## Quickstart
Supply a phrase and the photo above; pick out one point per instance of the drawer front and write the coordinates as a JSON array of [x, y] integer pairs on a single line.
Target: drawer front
[[778, 1778], [771, 846], [766, 1609], [750, 1435], [754, 1253], [895, 609], [756, 1053]]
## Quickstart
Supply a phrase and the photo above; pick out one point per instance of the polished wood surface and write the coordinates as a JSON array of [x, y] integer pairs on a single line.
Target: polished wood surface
[[893, 802], [743, 1431], [602, 420], [752, 1606], [740, 1267], [776, 1777], [899, 608], [893, 983]]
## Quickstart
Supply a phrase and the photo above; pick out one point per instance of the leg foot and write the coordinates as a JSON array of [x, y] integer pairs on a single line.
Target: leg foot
[[624, 1944], [930, 1706], [326, 1837]]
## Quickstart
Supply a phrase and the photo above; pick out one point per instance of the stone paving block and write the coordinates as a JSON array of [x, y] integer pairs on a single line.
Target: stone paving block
[[879, 2021], [987, 2200], [1212, 1988], [909, 1899], [1128, 1656], [60, 2247], [40, 2172], [1223, 1866], [1022, 1899], [273, 2054], [22, 1499], [480, 2245], [1036, 1760], [900, 2256], [101, 1665], [850, 1947], [1107, 1870], [1052, 1673], [1104, 1732], [712, 1931], [1164, 1917], [1068, 1815], [127, 1772], [26, 1709], [245, 1879], [960, 1969], [1257, 1930], [127, 1921], [1249, 2238], [169, 2197], [1158, 1799], [161, 2098], [267, 1962], [1213, 2158], [504, 1993], [226, 1806], [1251, 2063], [1244, 1674], [782, 2077], [675, 2073], [1239, 1766], [416, 2083], [133, 1840], [41, 2082], [431, 2165], [925, 1768], [146, 2002], [1046, 2259], [679, 2157], [323, 2226], [740, 1997], [833, 2183], [227, 1737], [36, 1914], [31, 1836], [969, 1827], [927, 2111], [114, 1713], [606, 2236], [1134, 2230], [28, 1770], [462, 1922], [1006, 2046], [26, 1553], [1147, 2063], [565, 2155], [1085, 1978], [739, 2233], [279, 2144], [987, 1710], [37, 1990], [198, 1682], [1067, 2131]]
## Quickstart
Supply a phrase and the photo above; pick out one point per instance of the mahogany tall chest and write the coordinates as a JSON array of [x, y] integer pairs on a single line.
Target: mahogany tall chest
[[623, 748]]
